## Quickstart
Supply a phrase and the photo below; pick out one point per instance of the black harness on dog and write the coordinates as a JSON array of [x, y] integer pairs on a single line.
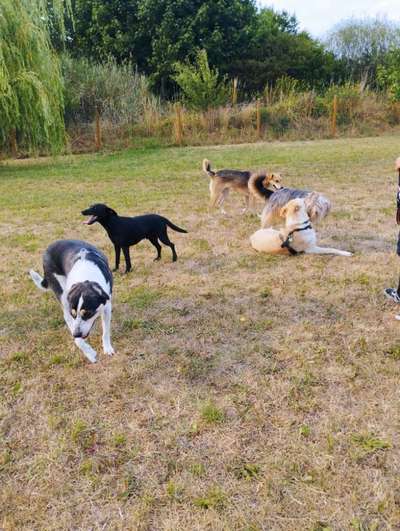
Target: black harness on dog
[[287, 244]]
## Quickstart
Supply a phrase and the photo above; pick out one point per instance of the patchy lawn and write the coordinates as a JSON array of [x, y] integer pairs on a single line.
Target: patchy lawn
[[248, 392]]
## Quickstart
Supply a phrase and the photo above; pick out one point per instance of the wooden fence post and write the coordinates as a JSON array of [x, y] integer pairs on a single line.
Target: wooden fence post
[[178, 124], [258, 118], [234, 91], [97, 136], [334, 116]]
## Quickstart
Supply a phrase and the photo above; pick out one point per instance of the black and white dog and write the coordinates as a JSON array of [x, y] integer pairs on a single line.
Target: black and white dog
[[81, 279]]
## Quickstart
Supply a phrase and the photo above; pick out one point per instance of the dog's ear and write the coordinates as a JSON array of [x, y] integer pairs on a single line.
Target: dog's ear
[[267, 179], [100, 291], [74, 293], [110, 211], [283, 212]]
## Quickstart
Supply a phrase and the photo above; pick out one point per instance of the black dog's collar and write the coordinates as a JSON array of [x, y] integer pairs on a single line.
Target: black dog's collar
[[287, 243]]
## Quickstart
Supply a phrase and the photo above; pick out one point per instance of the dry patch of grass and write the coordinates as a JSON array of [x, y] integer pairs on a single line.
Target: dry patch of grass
[[248, 392]]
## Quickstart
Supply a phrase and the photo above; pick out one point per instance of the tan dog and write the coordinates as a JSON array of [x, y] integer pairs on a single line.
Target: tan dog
[[222, 181], [297, 237]]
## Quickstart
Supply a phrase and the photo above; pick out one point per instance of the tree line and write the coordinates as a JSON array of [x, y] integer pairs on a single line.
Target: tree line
[[255, 45], [48, 48]]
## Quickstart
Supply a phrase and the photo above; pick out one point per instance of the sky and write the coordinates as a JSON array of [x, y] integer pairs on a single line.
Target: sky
[[318, 16]]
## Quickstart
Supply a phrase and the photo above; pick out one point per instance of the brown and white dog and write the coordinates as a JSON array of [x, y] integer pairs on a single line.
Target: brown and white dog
[[222, 181], [297, 237]]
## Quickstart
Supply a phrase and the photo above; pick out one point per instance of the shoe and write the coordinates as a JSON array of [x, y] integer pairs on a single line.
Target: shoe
[[391, 293]]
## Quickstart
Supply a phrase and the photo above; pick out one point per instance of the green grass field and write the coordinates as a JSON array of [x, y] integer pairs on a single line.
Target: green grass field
[[247, 392]]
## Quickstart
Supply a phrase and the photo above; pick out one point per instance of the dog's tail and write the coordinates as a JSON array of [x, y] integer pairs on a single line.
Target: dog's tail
[[256, 185], [174, 227], [39, 281], [207, 168]]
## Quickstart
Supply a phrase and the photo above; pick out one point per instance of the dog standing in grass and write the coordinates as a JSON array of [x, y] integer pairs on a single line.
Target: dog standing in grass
[[78, 274], [125, 232], [222, 181]]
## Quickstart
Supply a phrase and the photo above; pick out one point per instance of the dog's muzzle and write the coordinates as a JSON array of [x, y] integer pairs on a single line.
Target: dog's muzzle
[[78, 334]]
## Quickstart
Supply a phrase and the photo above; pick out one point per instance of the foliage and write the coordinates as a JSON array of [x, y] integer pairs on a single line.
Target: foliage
[[258, 46], [362, 44], [31, 102], [201, 86], [388, 74], [349, 96], [117, 91], [277, 49], [156, 34]]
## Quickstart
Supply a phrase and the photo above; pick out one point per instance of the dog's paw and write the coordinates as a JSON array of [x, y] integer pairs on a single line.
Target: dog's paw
[[109, 350], [91, 356], [89, 353]]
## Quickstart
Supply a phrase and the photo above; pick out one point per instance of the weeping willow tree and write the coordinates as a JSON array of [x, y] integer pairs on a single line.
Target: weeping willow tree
[[31, 95]]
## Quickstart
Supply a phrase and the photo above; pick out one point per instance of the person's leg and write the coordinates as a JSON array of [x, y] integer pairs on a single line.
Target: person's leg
[[393, 293]]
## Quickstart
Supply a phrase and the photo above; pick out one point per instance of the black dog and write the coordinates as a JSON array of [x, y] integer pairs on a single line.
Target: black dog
[[124, 232]]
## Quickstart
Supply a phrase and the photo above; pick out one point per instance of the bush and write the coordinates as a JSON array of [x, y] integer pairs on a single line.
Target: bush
[[117, 91], [388, 76], [201, 86], [348, 101]]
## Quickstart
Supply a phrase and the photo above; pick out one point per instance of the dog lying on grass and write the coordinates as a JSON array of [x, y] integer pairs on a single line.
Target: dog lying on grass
[[124, 231], [79, 275], [297, 237], [318, 206], [222, 181]]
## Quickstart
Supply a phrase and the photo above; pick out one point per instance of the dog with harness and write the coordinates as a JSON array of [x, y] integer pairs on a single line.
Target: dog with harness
[[79, 275], [297, 237]]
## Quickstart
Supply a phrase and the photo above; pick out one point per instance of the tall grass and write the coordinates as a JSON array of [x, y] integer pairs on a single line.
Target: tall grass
[[117, 91], [114, 92], [130, 113], [288, 112]]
